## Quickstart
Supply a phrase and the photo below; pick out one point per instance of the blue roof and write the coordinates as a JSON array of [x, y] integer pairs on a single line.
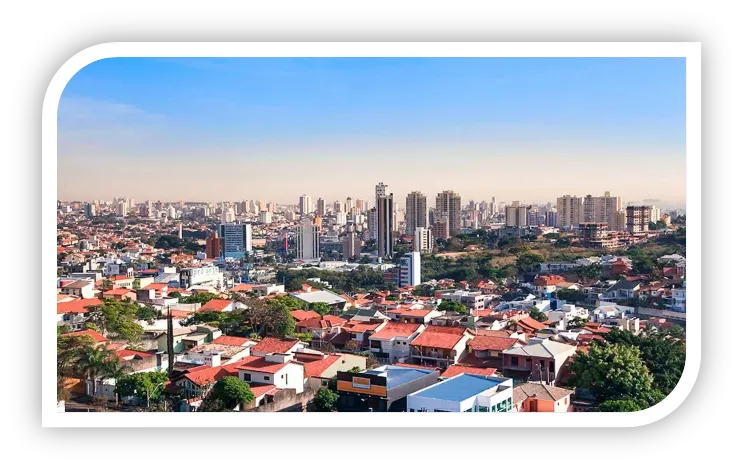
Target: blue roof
[[460, 387], [399, 375]]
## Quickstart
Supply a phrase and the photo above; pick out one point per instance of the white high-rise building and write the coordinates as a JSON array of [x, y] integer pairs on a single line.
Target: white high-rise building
[[265, 217], [410, 269], [236, 239], [423, 240], [305, 204], [122, 208], [228, 215], [655, 214], [308, 240], [341, 218]]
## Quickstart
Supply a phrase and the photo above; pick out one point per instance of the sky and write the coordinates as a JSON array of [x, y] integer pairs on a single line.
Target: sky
[[527, 129]]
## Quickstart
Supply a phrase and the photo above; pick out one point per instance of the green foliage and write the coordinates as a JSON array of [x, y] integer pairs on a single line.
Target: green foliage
[[168, 242], [623, 405], [447, 305], [289, 301], [562, 243], [147, 386], [304, 337], [537, 315], [528, 263], [467, 268], [325, 400], [361, 279], [577, 323], [588, 272], [664, 358], [321, 308], [147, 313], [201, 297], [117, 319], [614, 372], [424, 289], [355, 369], [70, 352], [571, 296], [229, 392], [174, 294], [267, 317]]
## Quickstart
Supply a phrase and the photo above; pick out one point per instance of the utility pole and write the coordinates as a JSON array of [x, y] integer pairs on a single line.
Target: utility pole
[[171, 353]]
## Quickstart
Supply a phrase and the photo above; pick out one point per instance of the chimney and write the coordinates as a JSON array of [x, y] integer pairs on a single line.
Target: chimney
[[214, 360]]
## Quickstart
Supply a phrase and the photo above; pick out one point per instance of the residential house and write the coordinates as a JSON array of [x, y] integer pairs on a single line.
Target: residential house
[[623, 289], [80, 288], [489, 349], [319, 367], [76, 312], [274, 345], [391, 343], [320, 328], [441, 346], [541, 360], [546, 285], [301, 315], [381, 389], [539, 397], [276, 369], [456, 370], [464, 393]]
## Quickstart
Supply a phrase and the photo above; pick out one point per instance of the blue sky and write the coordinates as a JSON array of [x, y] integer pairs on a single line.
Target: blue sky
[[295, 120]]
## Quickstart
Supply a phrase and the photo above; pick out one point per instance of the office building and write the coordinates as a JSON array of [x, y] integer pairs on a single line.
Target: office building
[[423, 240], [415, 212], [380, 190], [89, 210], [351, 246], [305, 205], [516, 214], [410, 269], [236, 239], [638, 218], [385, 226], [569, 211], [308, 240], [449, 207], [213, 247], [320, 207]]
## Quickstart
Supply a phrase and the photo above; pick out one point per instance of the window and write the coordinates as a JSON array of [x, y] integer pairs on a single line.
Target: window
[[483, 408], [510, 404], [552, 367], [514, 361], [266, 378], [246, 377], [412, 410]]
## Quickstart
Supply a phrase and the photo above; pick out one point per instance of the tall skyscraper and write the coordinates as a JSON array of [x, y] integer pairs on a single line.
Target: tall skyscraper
[[415, 212], [410, 269], [228, 215], [600, 209], [569, 211], [305, 205], [180, 230], [516, 214], [654, 214], [341, 218], [449, 207], [380, 190], [638, 218], [320, 206], [385, 209], [236, 239], [89, 210], [360, 205], [440, 229], [122, 208], [308, 240], [349, 205], [423, 240], [213, 246]]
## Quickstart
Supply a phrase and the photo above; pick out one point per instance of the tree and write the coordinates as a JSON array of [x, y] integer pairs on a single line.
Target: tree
[[537, 315], [371, 360], [115, 370], [528, 263], [569, 295], [70, 352], [588, 272], [355, 369], [577, 323], [147, 385], [424, 289], [201, 297], [623, 405], [175, 294], [614, 372], [447, 305], [321, 308], [562, 242], [116, 319], [325, 400], [228, 393], [92, 363]]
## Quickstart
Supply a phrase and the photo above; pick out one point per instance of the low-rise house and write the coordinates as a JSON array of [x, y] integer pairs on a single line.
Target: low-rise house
[[120, 294], [546, 285], [80, 288], [336, 302], [76, 312], [391, 343], [456, 370], [139, 361], [320, 368], [301, 315], [271, 345], [464, 393], [441, 346], [539, 397], [541, 360], [490, 348], [566, 314], [227, 353], [277, 369], [320, 328], [623, 289], [417, 316], [381, 389], [221, 306]]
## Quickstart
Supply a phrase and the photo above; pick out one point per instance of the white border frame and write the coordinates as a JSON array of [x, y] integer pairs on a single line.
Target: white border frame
[[690, 50]]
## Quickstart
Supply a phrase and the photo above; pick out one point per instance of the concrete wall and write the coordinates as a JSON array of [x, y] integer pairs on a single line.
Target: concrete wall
[[285, 401]]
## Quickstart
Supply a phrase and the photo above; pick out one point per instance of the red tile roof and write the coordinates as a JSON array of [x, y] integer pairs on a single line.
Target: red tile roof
[[530, 323], [260, 364], [242, 287], [230, 340], [455, 370], [301, 315], [77, 306], [216, 305], [416, 313], [483, 343], [126, 353], [155, 286], [89, 332], [315, 368], [545, 280], [395, 329], [322, 323], [440, 337], [259, 389], [361, 326], [274, 345], [482, 312], [204, 375]]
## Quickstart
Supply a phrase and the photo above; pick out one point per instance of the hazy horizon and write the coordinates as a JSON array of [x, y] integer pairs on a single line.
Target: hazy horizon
[[274, 129]]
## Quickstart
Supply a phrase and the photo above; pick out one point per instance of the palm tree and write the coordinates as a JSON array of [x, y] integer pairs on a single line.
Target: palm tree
[[92, 362], [115, 370]]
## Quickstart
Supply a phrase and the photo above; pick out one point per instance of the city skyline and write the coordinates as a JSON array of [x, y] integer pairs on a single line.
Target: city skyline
[[234, 129]]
